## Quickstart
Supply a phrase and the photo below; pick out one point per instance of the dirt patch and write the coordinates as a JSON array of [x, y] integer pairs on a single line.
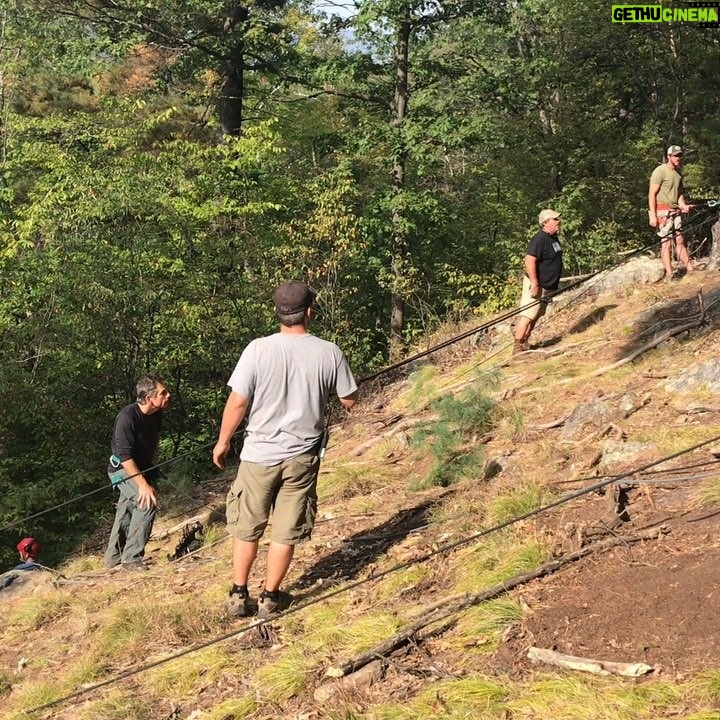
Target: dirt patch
[[654, 602]]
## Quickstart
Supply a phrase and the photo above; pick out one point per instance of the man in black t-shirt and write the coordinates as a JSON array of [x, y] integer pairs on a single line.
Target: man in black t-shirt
[[543, 267], [135, 439]]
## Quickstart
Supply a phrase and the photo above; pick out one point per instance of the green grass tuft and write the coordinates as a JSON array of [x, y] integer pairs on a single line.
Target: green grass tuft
[[180, 678], [118, 705], [492, 562], [286, 677], [234, 709], [576, 697], [369, 631], [520, 501], [477, 698], [421, 388]]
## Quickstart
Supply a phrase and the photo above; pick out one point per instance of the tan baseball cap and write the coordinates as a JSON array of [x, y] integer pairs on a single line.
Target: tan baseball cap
[[674, 150], [546, 215]]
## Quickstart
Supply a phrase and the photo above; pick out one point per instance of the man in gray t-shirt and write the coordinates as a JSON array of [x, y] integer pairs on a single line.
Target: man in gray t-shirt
[[282, 383]]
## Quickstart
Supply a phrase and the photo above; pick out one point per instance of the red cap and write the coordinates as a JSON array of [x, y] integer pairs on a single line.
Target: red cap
[[29, 547]]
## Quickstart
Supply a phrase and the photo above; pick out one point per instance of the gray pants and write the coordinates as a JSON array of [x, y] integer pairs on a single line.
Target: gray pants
[[131, 529]]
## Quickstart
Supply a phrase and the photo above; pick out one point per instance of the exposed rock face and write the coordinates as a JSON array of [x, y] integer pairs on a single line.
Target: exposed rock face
[[598, 413], [620, 453], [714, 260], [707, 374], [642, 270]]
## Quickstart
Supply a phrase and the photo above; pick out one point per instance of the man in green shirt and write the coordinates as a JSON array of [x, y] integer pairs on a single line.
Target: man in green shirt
[[666, 204]]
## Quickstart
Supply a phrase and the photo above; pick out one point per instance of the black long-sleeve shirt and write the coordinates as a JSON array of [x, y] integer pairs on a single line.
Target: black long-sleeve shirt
[[136, 436]]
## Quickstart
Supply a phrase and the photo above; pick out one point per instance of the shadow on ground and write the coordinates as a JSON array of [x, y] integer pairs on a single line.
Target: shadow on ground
[[594, 316], [659, 320], [359, 551]]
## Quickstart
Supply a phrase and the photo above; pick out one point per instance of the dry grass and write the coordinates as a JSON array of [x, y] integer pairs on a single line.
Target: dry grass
[[36, 612], [583, 698], [351, 480]]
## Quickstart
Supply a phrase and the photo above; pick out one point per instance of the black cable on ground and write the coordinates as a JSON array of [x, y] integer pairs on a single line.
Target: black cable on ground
[[260, 622], [655, 473]]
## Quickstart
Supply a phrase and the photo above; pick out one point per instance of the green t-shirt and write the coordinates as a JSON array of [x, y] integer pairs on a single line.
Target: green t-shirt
[[670, 182]]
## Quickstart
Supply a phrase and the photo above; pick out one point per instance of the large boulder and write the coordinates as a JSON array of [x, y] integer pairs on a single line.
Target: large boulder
[[598, 413], [638, 271]]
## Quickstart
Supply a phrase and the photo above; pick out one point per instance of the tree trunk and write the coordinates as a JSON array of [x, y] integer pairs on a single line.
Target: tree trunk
[[230, 104], [714, 262], [399, 229]]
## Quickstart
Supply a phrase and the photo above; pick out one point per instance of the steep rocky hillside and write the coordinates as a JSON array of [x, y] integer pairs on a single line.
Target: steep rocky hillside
[[479, 512]]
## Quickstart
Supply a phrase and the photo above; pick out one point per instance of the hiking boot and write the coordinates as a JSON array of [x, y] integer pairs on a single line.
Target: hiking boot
[[518, 347], [134, 566], [273, 602], [240, 604]]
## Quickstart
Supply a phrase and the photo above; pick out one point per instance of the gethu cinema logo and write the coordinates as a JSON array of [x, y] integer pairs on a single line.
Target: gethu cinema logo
[[704, 13]]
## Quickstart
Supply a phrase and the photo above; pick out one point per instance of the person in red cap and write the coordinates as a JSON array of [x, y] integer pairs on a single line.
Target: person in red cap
[[29, 549], [282, 383], [666, 205]]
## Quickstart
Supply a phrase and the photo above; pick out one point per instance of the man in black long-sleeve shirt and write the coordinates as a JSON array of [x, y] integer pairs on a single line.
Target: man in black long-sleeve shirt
[[135, 439]]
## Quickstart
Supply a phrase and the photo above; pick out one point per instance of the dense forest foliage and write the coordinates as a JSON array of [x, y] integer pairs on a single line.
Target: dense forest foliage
[[164, 165]]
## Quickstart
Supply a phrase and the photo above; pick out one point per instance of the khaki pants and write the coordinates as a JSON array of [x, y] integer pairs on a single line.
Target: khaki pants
[[288, 490], [132, 527], [537, 310]]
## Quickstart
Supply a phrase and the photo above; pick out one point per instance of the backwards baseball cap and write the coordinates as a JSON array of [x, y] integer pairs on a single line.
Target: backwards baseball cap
[[674, 150], [29, 547], [546, 215], [293, 297]]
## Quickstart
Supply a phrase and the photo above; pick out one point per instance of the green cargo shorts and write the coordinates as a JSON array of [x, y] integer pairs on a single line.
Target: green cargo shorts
[[288, 490]]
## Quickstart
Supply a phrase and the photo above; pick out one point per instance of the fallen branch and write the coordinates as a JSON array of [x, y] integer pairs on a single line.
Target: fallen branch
[[598, 667], [162, 533], [363, 679], [549, 426], [649, 346], [454, 604], [405, 425]]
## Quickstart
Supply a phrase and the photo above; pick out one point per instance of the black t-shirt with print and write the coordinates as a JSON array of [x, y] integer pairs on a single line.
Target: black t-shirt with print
[[546, 248]]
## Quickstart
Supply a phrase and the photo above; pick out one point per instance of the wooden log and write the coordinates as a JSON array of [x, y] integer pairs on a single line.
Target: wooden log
[[364, 678], [598, 667]]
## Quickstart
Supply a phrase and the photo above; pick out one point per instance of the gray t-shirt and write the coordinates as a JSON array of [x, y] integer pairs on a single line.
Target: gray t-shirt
[[289, 379]]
